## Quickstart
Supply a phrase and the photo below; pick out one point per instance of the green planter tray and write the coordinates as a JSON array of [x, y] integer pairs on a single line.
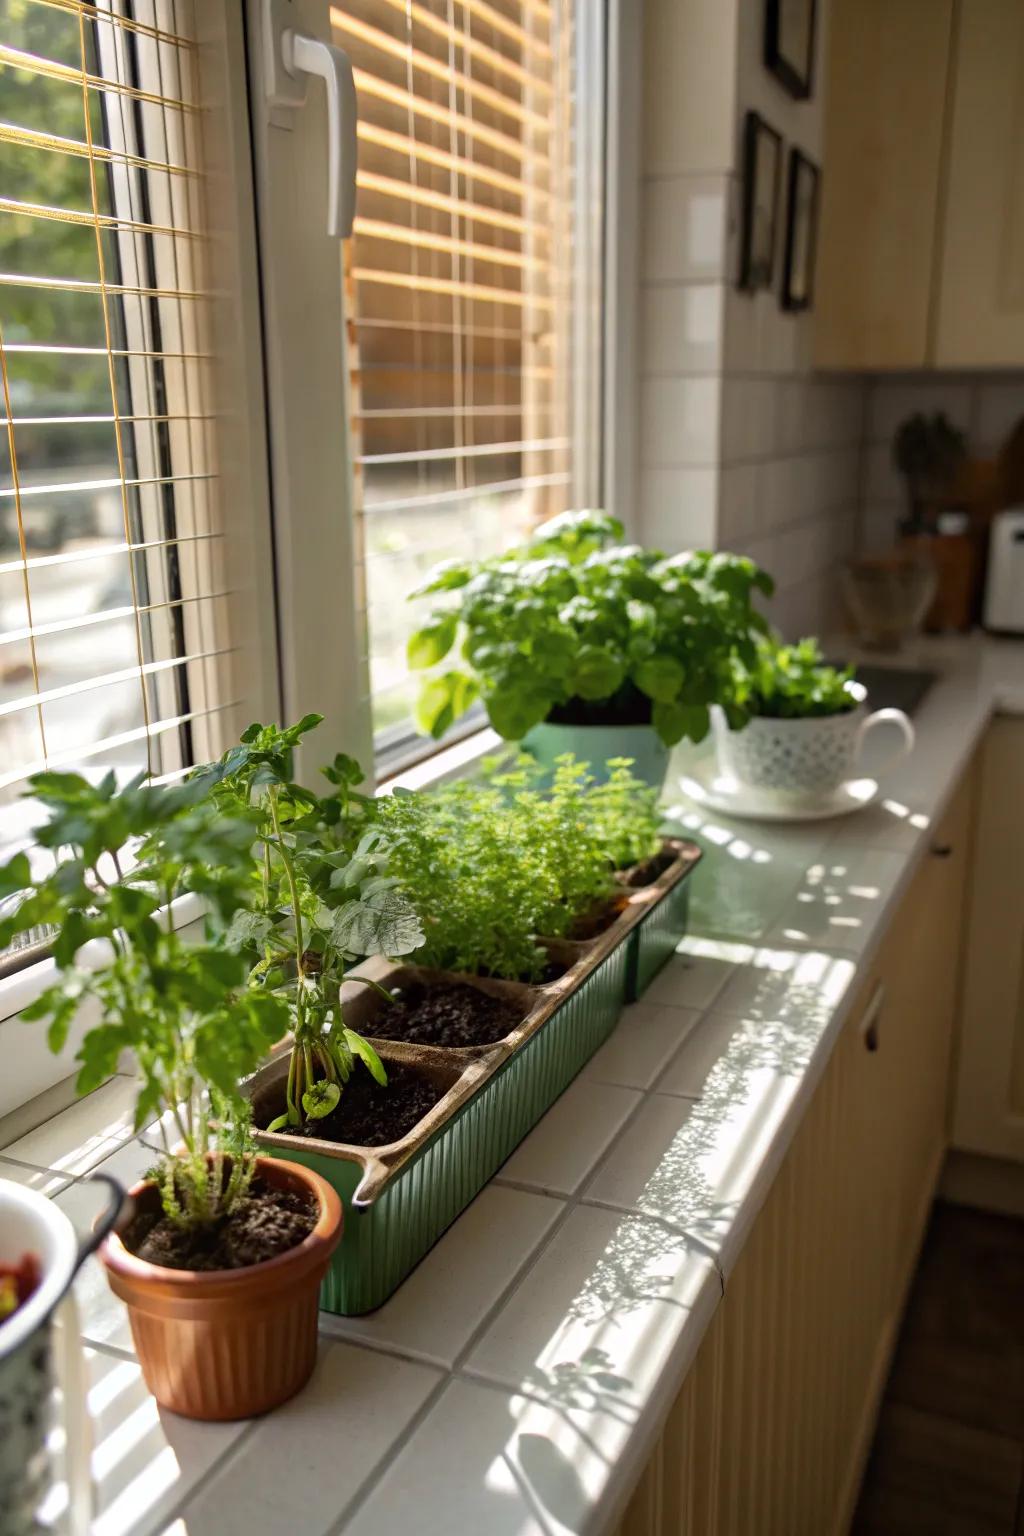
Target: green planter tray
[[656, 936], [400, 1198]]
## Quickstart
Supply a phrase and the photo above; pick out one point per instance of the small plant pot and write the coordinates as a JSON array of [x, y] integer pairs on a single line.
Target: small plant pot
[[811, 757], [31, 1223], [229, 1343], [595, 744]]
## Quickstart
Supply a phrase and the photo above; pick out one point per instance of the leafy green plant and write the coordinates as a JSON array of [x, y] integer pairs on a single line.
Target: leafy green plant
[[322, 899], [793, 682], [928, 451], [491, 865], [573, 872], [579, 628], [181, 1009], [473, 874], [623, 816]]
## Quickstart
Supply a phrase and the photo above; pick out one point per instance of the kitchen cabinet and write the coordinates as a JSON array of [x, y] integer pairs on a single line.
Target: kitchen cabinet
[[979, 320], [921, 249], [885, 93], [989, 1106], [771, 1429]]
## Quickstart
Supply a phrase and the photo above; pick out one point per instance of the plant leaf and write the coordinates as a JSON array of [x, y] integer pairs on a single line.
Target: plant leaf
[[430, 644], [319, 1099], [383, 923], [367, 1055]]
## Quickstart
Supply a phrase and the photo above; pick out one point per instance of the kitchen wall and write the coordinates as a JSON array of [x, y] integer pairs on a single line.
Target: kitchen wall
[[987, 406], [740, 447]]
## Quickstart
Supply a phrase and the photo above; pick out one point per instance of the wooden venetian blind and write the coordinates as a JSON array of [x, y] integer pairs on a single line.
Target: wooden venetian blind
[[460, 293], [112, 626]]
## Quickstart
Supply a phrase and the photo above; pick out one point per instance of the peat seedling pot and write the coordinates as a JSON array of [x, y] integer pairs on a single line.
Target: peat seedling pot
[[228, 1343]]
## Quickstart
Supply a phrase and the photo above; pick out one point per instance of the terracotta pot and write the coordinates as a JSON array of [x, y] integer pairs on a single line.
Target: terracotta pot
[[228, 1343]]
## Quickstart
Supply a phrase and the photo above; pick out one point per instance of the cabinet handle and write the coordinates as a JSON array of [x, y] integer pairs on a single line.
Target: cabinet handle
[[941, 850], [871, 1018]]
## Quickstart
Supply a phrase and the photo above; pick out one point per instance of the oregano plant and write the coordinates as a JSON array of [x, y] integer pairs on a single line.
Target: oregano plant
[[180, 1009]]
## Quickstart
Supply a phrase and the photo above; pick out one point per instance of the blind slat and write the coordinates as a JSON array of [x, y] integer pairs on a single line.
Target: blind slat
[[405, 145], [53, 69], [462, 38], [113, 18], [415, 58], [467, 493], [379, 229], [426, 284], [479, 450]]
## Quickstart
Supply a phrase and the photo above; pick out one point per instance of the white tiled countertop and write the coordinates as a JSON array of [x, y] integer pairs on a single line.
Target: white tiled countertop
[[517, 1381]]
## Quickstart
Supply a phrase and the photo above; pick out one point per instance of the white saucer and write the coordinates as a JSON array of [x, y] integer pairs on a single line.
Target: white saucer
[[708, 788]]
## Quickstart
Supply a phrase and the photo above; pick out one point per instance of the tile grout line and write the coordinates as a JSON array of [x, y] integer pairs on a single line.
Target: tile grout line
[[378, 1472], [227, 1456]]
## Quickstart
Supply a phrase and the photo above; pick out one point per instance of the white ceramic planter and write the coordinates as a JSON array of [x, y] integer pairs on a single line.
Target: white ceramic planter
[[811, 757], [31, 1223]]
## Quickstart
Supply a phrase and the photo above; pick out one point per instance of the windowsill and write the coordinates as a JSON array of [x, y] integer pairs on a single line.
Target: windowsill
[[450, 763]]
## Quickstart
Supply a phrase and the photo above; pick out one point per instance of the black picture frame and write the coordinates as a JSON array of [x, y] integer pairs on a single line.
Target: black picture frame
[[790, 30], [762, 174], [803, 206]]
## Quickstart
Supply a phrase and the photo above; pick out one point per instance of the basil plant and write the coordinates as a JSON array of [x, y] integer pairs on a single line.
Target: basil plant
[[579, 628]]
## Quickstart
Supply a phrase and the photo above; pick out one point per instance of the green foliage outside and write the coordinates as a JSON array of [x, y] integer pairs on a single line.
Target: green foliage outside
[[579, 627]]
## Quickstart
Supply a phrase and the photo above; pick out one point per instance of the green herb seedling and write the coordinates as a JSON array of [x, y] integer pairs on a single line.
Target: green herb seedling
[[323, 899], [793, 682], [182, 1010]]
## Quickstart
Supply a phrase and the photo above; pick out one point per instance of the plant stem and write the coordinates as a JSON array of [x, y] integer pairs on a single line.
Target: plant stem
[[300, 947]]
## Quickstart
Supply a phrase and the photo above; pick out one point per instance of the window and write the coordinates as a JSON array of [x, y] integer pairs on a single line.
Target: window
[[119, 641], [469, 278], [179, 338]]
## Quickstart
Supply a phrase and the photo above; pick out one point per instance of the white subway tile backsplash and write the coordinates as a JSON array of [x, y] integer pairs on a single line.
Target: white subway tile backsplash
[[741, 504], [883, 483], [684, 228], [681, 328], [679, 422], [999, 406], [678, 508]]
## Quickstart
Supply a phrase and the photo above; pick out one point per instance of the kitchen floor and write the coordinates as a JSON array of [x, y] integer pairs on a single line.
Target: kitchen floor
[[948, 1457]]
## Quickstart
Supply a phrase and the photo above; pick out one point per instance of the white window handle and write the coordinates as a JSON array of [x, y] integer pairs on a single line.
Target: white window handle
[[290, 57]]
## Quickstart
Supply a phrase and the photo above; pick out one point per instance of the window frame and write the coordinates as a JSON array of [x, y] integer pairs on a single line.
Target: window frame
[[267, 172], [242, 479], [303, 343]]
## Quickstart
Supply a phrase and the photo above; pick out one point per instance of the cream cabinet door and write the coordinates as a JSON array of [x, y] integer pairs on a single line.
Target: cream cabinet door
[[885, 100], [980, 310], [989, 1108]]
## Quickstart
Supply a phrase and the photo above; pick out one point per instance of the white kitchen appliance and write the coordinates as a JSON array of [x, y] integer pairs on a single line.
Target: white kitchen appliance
[[1004, 589]]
